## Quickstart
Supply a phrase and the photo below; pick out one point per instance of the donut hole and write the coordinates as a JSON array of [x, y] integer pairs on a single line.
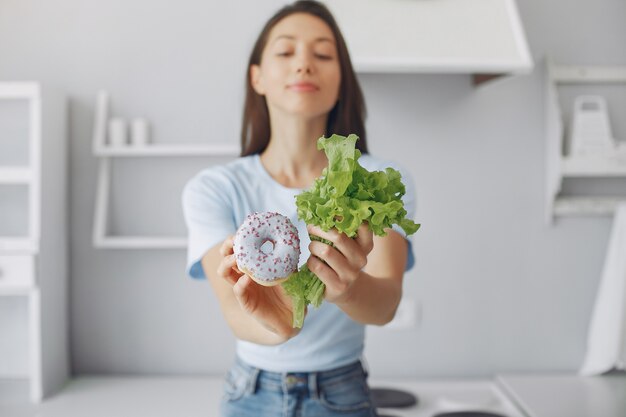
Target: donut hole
[[267, 247]]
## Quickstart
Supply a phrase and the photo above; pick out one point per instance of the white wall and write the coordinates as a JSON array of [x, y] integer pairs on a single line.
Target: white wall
[[500, 290]]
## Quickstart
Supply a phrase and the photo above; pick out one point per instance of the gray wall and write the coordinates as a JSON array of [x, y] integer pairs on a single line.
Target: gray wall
[[500, 291]]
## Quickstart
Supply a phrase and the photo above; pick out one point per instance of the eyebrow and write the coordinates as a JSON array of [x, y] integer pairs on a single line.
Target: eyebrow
[[291, 37]]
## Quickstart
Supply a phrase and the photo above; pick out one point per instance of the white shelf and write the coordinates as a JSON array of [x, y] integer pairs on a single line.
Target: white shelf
[[559, 166], [6, 290], [15, 175], [18, 245], [45, 259], [19, 90], [575, 74], [576, 206], [101, 149], [140, 242], [30, 175], [33, 380], [593, 166], [168, 150]]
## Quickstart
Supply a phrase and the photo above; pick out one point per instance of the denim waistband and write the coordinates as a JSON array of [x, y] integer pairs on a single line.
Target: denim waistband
[[290, 381]]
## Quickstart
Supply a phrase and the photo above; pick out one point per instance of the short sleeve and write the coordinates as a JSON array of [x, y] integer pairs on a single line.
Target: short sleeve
[[208, 212]]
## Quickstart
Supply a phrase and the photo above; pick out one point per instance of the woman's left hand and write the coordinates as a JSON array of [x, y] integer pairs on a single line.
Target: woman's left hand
[[340, 266]]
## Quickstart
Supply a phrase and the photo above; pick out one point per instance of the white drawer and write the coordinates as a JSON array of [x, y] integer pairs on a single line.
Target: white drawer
[[17, 271]]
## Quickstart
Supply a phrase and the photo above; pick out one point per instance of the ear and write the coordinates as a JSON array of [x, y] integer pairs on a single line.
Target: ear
[[255, 79]]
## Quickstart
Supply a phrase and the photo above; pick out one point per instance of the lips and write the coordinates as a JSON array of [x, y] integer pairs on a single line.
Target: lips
[[303, 86]]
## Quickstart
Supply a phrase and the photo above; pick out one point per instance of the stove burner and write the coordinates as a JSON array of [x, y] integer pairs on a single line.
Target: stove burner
[[392, 398], [468, 414]]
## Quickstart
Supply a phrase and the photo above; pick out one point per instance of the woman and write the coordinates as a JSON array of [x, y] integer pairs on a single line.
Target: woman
[[300, 86]]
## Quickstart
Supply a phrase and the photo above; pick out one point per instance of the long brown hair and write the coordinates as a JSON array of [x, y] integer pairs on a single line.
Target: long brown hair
[[348, 114]]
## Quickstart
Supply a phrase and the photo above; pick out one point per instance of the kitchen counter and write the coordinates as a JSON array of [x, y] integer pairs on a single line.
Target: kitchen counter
[[530, 395], [567, 395], [106, 396]]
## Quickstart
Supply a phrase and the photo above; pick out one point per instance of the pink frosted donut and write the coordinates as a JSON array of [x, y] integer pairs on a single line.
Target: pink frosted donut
[[267, 248]]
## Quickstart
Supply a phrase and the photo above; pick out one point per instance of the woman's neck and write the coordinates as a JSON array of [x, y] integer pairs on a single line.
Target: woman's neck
[[291, 156]]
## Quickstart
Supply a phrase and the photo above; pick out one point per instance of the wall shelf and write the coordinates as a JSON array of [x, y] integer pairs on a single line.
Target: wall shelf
[[142, 242], [575, 206], [167, 150], [560, 166], [18, 245], [105, 153], [593, 166], [15, 175], [17, 292]]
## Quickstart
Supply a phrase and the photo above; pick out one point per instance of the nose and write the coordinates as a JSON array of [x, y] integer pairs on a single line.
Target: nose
[[304, 64], [303, 69]]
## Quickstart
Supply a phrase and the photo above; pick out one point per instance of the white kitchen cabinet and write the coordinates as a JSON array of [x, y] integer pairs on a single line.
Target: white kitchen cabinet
[[480, 37], [561, 165], [33, 267]]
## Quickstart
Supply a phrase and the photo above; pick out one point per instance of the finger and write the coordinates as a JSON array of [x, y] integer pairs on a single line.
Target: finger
[[335, 259], [325, 273], [227, 246], [240, 289], [365, 238], [349, 248], [226, 269], [341, 241]]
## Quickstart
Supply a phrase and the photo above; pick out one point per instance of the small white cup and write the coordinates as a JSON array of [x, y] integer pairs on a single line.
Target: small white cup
[[118, 132], [140, 132]]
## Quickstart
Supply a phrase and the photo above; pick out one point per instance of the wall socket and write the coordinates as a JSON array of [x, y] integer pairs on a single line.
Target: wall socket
[[407, 316]]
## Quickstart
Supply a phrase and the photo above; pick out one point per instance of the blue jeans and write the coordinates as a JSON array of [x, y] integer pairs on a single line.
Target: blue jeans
[[252, 392]]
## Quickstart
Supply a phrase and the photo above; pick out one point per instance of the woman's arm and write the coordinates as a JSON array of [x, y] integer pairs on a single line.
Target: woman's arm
[[254, 313], [363, 276]]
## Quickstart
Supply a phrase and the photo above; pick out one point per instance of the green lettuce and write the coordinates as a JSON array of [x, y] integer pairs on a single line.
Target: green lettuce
[[345, 196]]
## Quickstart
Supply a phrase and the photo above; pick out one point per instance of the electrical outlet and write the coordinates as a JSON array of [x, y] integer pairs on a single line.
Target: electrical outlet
[[407, 315]]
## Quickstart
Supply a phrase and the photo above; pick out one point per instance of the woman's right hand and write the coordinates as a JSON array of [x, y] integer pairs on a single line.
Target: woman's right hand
[[270, 306]]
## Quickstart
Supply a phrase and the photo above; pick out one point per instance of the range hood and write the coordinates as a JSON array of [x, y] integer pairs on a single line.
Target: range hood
[[484, 38]]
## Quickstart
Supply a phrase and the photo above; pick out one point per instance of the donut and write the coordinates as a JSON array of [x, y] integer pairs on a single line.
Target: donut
[[267, 248]]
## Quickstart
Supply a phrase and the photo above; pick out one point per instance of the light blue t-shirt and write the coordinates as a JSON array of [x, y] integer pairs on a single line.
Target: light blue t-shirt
[[217, 200]]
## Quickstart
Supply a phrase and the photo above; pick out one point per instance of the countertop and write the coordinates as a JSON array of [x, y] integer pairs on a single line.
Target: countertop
[[520, 395], [567, 395], [106, 396]]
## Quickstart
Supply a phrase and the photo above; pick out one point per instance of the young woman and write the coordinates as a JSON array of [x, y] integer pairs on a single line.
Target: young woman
[[300, 86]]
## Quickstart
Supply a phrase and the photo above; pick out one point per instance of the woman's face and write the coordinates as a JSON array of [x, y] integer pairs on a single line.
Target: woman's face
[[299, 72]]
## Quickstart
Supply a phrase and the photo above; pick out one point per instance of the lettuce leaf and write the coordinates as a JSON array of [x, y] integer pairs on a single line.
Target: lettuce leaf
[[345, 196]]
